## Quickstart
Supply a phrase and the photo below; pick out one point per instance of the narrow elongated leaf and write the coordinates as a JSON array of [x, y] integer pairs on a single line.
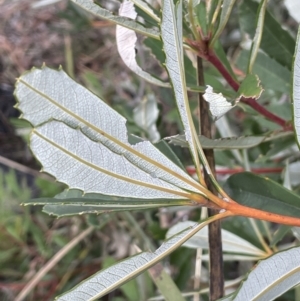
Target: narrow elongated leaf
[[76, 197], [59, 97], [144, 6], [296, 89], [71, 202], [165, 283], [227, 298], [213, 9], [202, 16], [105, 281], [276, 41], [235, 257], [225, 130], [230, 242], [279, 234], [191, 14], [61, 210], [243, 142], [98, 11], [225, 14], [148, 21], [156, 48], [126, 40], [271, 277], [172, 45], [258, 34], [165, 148], [262, 193]]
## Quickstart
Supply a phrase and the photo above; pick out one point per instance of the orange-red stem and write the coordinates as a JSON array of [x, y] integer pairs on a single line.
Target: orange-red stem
[[241, 210], [234, 208]]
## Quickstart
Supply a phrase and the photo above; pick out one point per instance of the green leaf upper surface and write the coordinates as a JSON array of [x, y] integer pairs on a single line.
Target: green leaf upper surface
[[250, 87], [145, 7], [212, 8], [272, 75], [276, 41], [165, 148], [222, 143], [258, 34], [271, 277], [105, 281], [156, 47], [296, 89], [61, 210], [279, 234], [227, 298], [262, 193], [71, 202], [100, 138], [224, 17], [202, 16], [165, 284], [98, 11]]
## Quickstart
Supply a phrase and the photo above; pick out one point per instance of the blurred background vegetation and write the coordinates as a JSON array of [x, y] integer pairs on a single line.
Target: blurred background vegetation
[[33, 33], [62, 34]]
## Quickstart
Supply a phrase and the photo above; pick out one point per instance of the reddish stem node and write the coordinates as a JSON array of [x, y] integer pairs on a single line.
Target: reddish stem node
[[209, 55]]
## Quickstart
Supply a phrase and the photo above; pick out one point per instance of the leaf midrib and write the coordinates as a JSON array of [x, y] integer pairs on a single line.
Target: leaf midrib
[[115, 175], [116, 141], [267, 289]]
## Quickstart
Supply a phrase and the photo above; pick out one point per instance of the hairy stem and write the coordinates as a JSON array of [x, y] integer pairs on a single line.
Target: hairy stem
[[216, 282]]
